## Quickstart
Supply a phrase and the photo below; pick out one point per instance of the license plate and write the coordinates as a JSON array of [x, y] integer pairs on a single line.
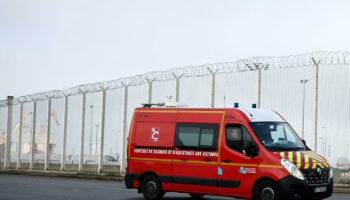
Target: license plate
[[320, 189]]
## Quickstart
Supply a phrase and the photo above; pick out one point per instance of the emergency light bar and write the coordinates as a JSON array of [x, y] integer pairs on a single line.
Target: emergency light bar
[[236, 105], [241, 107]]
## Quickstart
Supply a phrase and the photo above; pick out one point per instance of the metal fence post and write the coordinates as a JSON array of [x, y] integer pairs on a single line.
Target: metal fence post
[[8, 133], [125, 123], [81, 158], [103, 123], [258, 67], [63, 159], [177, 95], [213, 76], [315, 100], [259, 88], [303, 81], [91, 122], [19, 149], [31, 164], [47, 153], [150, 89]]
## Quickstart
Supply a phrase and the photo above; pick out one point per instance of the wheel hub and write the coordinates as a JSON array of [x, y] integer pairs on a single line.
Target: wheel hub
[[267, 194], [151, 187]]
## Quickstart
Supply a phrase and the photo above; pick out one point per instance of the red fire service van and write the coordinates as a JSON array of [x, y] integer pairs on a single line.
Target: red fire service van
[[245, 153]]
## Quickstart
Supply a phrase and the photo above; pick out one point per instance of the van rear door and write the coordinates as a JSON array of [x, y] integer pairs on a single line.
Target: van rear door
[[153, 140]]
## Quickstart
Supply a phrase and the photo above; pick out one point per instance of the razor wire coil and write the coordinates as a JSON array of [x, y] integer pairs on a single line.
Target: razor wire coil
[[250, 64]]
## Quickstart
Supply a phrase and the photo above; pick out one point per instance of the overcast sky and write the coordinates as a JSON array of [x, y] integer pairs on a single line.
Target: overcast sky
[[47, 45]]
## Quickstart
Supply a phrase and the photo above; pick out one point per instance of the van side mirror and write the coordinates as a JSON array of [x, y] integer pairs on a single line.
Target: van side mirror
[[251, 149], [304, 142]]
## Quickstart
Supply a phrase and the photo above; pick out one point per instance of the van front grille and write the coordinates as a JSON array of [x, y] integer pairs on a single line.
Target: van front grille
[[314, 177]]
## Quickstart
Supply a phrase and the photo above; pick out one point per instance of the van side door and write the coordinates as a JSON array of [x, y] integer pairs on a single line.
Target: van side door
[[195, 158]]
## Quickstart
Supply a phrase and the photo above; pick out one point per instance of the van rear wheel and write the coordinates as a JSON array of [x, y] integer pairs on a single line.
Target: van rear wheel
[[196, 196], [152, 188], [267, 190]]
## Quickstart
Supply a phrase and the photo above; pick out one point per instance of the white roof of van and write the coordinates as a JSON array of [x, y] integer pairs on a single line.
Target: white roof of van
[[262, 115]]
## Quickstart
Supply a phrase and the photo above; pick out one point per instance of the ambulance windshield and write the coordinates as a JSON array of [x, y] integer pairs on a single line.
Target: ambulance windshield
[[277, 136]]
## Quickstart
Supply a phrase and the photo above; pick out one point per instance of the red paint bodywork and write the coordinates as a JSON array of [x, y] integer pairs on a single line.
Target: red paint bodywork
[[163, 159]]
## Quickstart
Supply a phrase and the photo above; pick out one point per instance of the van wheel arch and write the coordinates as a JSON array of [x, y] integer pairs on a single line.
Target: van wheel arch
[[262, 179], [142, 176]]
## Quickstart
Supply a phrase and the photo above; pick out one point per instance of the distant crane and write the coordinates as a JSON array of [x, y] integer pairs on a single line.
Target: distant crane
[[42, 128]]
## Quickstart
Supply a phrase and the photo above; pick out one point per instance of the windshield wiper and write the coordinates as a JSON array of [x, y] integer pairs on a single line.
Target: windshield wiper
[[286, 149], [277, 148], [297, 148]]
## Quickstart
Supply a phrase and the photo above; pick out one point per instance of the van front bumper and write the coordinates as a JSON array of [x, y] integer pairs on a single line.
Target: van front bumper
[[293, 188]]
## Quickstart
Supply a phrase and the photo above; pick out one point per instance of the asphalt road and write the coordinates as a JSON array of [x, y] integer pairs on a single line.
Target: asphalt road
[[19, 187]]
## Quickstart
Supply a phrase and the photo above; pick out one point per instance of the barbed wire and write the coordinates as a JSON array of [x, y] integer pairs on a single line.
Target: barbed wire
[[254, 63]]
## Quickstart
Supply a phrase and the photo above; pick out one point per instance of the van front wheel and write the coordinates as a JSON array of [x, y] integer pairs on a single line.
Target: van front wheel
[[267, 190], [151, 188]]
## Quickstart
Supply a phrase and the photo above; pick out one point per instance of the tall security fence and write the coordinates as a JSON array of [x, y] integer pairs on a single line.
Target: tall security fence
[[84, 128]]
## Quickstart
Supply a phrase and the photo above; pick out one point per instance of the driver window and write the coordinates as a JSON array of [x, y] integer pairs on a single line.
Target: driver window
[[237, 137]]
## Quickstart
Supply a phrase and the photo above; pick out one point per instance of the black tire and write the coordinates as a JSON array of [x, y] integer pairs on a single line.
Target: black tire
[[152, 188], [267, 190], [196, 196]]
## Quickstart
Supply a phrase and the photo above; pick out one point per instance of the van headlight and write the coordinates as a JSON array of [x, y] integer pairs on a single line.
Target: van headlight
[[292, 169], [331, 173]]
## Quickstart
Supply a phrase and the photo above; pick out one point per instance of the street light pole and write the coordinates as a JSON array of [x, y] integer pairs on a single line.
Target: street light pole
[[321, 140], [303, 81], [90, 149], [324, 142]]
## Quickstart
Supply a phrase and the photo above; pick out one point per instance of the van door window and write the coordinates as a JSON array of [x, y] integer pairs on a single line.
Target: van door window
[[237, 137], [207, 137], [196, 136], [189, 136]]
